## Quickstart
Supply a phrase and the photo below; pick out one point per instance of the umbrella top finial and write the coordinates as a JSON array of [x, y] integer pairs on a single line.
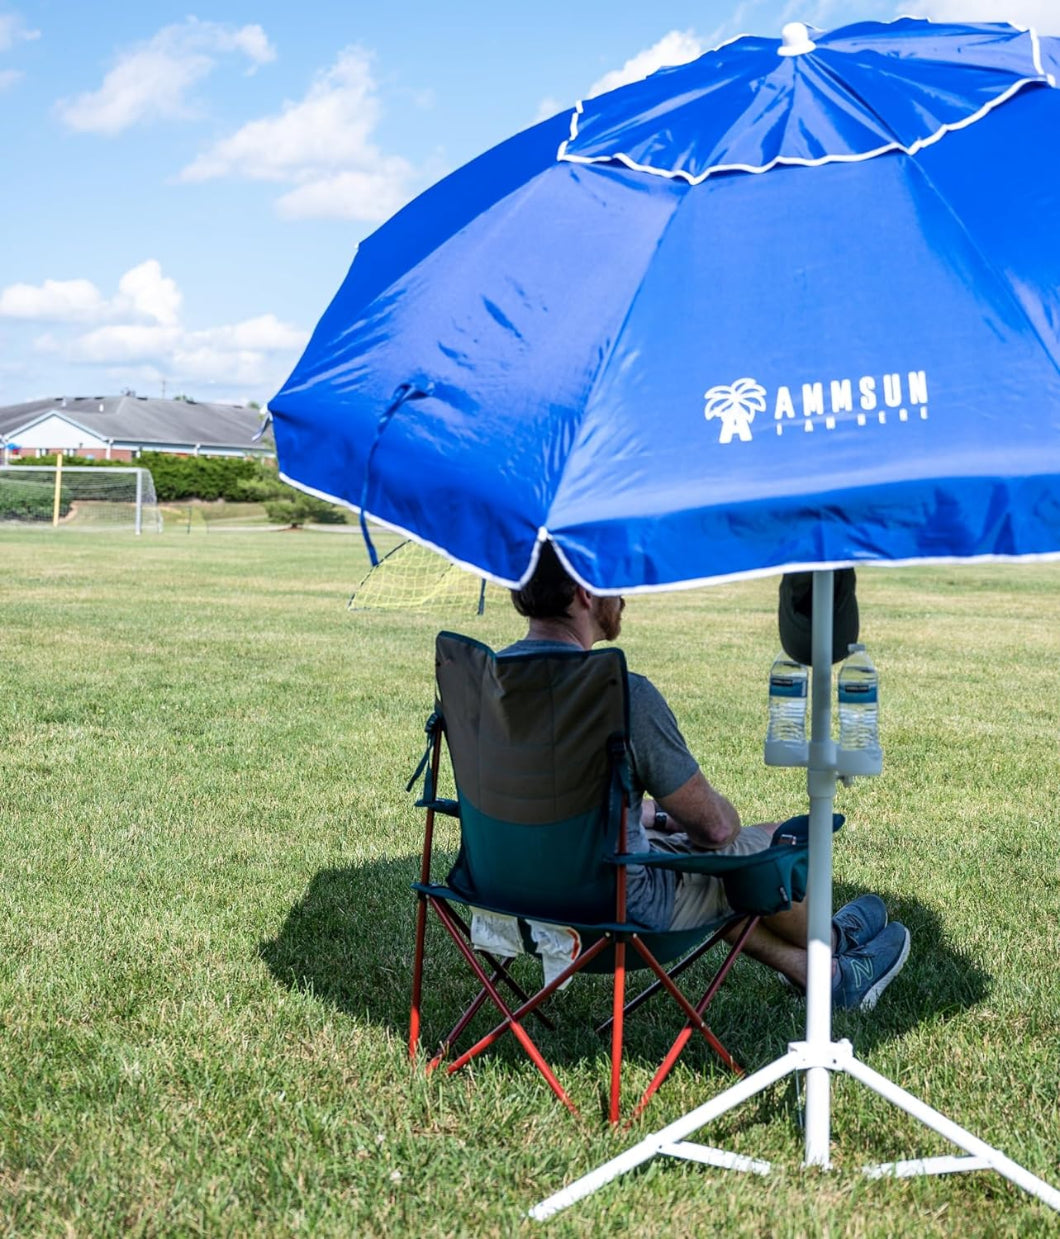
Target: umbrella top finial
[[795, 40]]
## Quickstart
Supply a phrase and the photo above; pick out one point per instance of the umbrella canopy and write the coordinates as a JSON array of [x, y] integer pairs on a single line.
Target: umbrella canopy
[[794, 304]]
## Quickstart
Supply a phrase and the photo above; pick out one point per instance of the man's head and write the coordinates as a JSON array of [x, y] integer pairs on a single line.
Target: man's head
[[549, 592], [552, 596]]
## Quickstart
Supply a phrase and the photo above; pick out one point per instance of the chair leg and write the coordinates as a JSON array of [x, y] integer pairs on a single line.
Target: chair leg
[[616, 1027], [501, 969], [446, 1043], [695, 1017], [417, 977], [500, 973], [512, 1018], [651, 990], [494, 1034]]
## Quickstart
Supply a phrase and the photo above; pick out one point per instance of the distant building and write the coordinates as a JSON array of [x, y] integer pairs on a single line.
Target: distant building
[[121, 427]]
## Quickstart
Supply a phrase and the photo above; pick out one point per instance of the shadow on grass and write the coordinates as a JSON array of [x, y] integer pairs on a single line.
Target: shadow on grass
[[349, 942]]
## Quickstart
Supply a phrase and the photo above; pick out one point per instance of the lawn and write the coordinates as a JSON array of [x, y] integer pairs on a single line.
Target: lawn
[[206, 928]]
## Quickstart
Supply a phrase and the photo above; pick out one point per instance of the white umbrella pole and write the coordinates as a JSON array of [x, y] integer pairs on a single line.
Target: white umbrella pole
[[820, 779]]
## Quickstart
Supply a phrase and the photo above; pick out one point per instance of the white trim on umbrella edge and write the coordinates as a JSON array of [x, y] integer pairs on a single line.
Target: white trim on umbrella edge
[[1043, 78], [672, 587]]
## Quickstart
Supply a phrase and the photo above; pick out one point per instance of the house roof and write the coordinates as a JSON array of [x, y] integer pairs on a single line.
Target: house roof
[[140, 421]]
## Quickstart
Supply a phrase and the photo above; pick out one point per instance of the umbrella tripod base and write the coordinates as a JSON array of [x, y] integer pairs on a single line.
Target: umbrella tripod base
[[671, 1141]]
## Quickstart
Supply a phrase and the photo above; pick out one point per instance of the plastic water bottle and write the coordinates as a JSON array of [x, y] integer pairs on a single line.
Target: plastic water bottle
[[786, 736], [859, 734]]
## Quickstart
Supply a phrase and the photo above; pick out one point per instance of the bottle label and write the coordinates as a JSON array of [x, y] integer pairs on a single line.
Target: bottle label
[[857, 694], [786, 686]]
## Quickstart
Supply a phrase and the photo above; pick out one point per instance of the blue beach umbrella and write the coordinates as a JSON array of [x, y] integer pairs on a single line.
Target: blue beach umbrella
[[757, 311], [795, 304]]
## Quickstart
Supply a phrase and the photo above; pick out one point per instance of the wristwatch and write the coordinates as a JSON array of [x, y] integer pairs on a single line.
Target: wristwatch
[[661, 820]]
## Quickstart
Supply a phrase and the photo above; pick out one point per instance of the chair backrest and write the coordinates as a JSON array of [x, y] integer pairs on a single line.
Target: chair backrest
[[538, 744]]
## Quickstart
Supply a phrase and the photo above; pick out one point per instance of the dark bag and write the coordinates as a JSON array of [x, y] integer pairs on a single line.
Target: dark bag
[[795, 615]]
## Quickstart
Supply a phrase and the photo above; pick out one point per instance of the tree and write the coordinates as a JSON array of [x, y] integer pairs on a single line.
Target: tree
[[302, 509]]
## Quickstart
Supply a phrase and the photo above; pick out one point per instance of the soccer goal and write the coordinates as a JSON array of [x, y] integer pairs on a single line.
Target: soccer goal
[[410, 577], [80, 496]]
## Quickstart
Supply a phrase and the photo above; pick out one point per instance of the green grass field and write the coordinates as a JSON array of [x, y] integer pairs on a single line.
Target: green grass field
[[206, 927]]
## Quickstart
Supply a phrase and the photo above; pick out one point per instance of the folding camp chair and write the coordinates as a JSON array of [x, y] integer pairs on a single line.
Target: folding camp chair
[[539, 749]]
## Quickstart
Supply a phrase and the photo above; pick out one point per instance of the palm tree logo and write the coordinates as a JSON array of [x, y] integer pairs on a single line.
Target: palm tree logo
[[736, 404]]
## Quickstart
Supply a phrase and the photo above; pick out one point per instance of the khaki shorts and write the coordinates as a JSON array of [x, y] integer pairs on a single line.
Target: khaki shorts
[[700, 898]]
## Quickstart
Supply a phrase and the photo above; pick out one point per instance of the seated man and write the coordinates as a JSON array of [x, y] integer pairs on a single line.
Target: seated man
[[682, 812]]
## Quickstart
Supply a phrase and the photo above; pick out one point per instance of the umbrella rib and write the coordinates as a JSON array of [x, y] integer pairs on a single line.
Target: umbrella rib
[[988, 264], [605, 360]]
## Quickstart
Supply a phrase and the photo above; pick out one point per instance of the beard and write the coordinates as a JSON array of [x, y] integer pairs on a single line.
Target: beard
[[609, 616]]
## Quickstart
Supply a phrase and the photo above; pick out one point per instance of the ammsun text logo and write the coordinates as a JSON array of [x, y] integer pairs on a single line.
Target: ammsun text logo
[[870, 400]]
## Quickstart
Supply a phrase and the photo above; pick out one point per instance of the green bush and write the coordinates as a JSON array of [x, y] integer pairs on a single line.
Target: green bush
[[28, 501], [198, 477], [300, 509], [186, 477], [233, 478], [284, 505], [52, 459]]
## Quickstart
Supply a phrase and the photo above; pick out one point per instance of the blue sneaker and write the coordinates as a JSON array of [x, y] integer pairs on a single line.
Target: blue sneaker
[[863, 974], [857, 923]]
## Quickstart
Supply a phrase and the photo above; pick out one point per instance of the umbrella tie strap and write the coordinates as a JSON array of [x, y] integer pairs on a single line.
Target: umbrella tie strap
[[433, 725], [403, 392]]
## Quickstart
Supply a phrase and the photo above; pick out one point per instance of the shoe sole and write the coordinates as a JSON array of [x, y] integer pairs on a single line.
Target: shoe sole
[[873, 995]]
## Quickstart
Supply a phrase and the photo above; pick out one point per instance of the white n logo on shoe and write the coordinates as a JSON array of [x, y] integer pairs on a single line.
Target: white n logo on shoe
[[861, 970]]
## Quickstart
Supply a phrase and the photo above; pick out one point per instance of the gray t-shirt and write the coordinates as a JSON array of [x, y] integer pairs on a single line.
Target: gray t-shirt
[[660, 763]]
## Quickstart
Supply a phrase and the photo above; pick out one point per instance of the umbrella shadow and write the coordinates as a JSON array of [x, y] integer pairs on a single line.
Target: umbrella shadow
[[349, 942]]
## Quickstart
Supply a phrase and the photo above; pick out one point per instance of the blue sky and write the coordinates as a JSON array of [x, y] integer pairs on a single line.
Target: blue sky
[[185, 190]]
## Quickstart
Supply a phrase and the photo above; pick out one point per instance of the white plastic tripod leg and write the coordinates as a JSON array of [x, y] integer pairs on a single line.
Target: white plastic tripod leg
[[957, 1135], [658, 1142], [708, 1156], [925, 1165]]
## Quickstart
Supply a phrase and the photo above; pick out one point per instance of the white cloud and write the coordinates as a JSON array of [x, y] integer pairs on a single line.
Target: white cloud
[[363, 195], [1043, 15], [322, 145], [137, 335], [548, 107], [124, 342], [14, 30], [147, 292], [143, 293], [56, 301], [255, 352], [152, 81], [676, 48], [262, 334]]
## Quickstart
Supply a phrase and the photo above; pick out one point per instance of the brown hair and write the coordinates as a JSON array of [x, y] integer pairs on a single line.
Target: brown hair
[[549, 592]]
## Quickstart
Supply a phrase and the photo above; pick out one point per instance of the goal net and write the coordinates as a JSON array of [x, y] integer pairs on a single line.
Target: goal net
[[96, 497], [410, 577]]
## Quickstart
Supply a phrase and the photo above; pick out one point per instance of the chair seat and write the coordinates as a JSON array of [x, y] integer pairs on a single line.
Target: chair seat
[[665, 945]]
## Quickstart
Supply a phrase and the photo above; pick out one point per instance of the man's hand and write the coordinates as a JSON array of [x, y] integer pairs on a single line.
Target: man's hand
[[654, 817], [709, 820]]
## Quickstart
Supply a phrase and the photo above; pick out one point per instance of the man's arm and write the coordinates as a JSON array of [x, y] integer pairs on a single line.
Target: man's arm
[[709, 820]]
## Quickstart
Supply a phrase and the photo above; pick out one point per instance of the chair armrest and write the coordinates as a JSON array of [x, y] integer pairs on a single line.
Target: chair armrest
[[713, 863], [449, 807], [762, 883], [795, 832]]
